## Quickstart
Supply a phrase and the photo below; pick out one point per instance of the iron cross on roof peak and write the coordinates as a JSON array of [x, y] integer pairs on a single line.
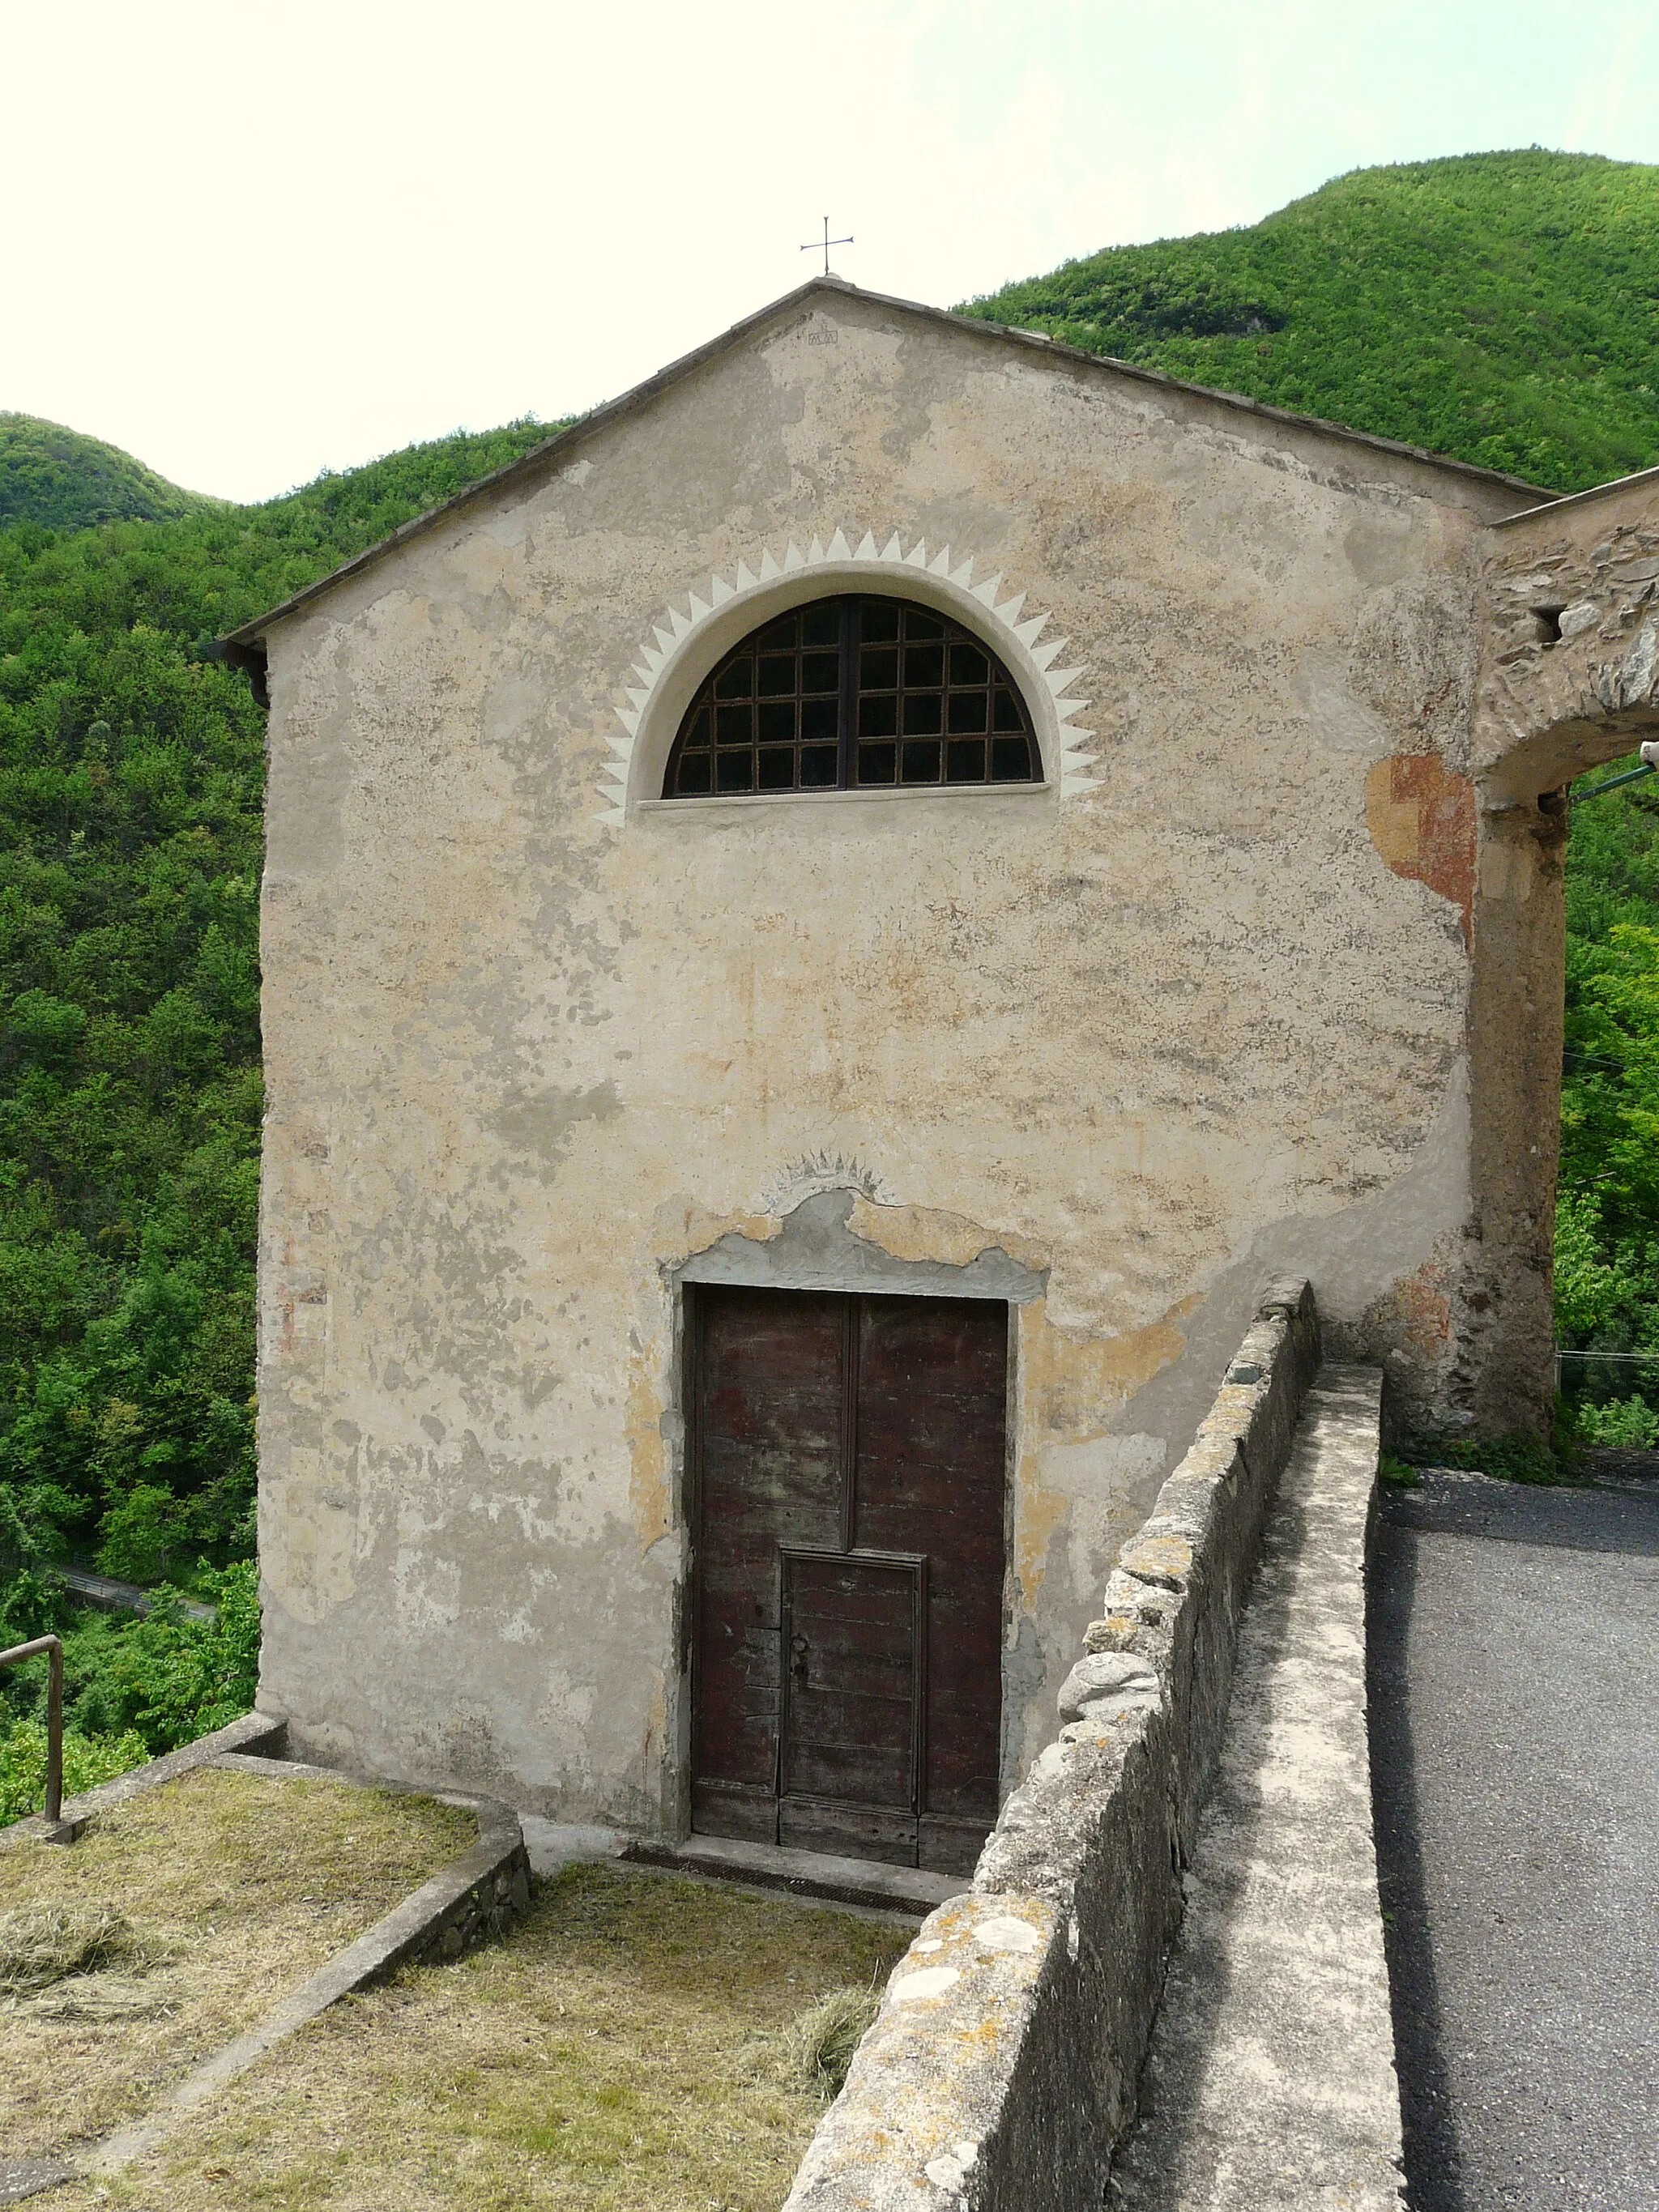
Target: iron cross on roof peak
[[826, 242]]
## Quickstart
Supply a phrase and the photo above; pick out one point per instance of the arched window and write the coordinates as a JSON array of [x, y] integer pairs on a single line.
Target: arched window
[[852, 694]]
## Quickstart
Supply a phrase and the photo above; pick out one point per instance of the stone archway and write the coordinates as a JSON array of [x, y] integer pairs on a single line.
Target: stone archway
[[1569, 680]]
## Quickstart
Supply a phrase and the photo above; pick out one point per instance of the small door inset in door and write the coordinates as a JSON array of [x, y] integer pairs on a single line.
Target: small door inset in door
[[849, 1756]]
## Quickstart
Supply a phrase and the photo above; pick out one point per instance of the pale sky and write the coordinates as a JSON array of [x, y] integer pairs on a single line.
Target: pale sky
[[250, 240]]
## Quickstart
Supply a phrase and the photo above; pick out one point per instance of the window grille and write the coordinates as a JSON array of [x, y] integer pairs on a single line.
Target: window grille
[[853, 695]]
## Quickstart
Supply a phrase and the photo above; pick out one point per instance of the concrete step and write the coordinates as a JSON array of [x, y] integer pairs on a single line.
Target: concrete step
[[804, 1874]]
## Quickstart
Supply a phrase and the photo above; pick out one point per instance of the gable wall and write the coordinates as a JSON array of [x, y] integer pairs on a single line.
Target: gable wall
[[1128, 1054]]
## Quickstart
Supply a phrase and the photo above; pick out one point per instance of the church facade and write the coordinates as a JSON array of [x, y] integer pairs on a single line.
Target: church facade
[[823, 934]]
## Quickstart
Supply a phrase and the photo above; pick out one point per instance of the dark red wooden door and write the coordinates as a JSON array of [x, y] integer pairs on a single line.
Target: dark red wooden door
[[847, 1669]]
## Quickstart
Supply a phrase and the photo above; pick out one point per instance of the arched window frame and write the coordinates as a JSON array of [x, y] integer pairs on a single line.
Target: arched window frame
[[696, 643], [862, 692]]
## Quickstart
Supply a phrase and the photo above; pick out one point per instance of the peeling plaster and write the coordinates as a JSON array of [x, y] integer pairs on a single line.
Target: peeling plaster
[[917, 1233], [816, 1248]]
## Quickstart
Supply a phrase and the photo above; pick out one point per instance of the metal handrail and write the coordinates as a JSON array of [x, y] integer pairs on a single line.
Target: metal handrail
[[1648, 768], [1649, 753], [53, 1646]]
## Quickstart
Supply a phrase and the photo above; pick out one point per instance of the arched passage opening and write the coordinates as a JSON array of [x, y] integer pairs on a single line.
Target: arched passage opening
[[1569, 683]]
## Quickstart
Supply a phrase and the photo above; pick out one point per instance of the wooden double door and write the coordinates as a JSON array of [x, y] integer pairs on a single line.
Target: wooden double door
[[848, 1458]]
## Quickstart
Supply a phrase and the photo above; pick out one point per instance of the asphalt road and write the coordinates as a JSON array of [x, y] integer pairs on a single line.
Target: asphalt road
[[1515, 1742]]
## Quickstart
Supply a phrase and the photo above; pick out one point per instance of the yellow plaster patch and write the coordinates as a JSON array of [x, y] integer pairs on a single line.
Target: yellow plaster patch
[[1392, 822], [1421, 817], [647, 1480], [1068, 1385], [1040, 1512], [1068, 1382], [678, 1231], [917, 1232]]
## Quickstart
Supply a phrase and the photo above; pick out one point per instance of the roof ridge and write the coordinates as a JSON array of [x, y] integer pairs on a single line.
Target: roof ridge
[[249, 634]]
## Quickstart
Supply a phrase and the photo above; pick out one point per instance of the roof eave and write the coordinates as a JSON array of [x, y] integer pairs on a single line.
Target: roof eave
[[1579, 498], [638, 395], [252, 634]]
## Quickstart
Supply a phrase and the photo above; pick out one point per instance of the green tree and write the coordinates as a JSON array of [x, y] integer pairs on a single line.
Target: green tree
[[130, 787], [1499, 308]]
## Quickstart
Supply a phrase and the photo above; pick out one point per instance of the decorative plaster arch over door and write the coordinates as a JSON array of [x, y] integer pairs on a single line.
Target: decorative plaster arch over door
[[686, 646]]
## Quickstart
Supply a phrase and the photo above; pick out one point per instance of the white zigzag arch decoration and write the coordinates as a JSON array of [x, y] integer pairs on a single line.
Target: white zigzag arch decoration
[[1077, 758]]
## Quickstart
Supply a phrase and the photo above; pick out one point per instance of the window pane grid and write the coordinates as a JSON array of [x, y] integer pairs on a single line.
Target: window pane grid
[[853, 693]]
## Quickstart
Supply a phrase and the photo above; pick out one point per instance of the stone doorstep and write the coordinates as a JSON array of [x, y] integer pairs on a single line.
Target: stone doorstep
[[912, 1891]]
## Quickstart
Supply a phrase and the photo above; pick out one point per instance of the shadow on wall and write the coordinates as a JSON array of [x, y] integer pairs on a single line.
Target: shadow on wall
[[1433, 2165]]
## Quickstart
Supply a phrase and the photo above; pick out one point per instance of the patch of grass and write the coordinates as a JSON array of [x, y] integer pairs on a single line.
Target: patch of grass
[[1520, 1456], [827, 2034], [634, 2043], [1396, 1474], [237, 1887]]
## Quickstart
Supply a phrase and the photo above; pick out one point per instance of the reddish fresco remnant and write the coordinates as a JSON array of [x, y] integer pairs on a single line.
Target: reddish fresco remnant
[[1421, 815], [1415, 1313], [1424, 1310]]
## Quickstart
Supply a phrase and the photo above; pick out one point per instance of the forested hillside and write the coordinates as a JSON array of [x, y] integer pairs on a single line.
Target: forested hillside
[[69, 480], [130, 781], [1501, 308]]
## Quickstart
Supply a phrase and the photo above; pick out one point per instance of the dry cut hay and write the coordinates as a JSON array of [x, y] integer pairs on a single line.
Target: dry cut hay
[[44, 1944], [627, 2046], [94, 1997], [823, 2038], [250, 1885]]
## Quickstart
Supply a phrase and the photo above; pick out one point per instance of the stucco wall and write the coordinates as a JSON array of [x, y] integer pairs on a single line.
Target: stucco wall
[[535, 1049]]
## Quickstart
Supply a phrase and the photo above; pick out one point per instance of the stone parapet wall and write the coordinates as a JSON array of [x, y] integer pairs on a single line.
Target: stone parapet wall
[[1270, 2080], [1002, 2068]]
